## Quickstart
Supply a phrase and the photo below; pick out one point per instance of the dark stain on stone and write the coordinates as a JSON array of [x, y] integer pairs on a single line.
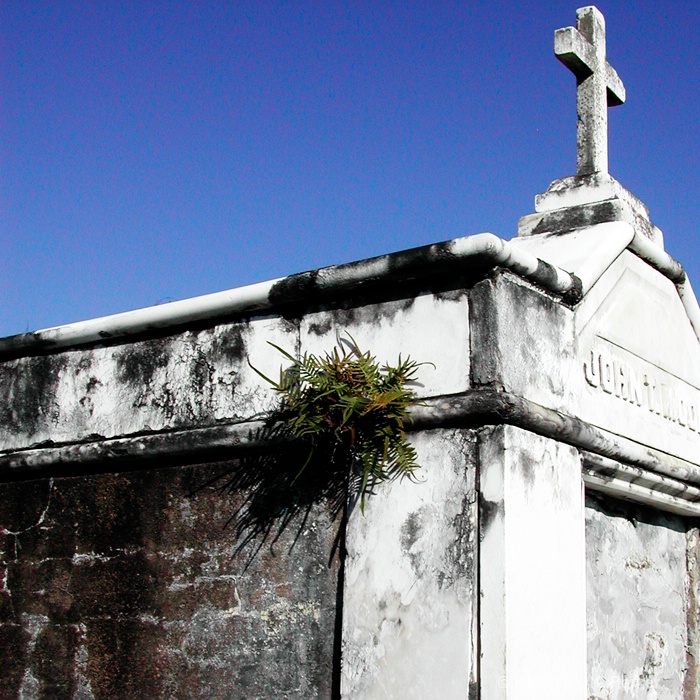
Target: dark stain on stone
[[14, 641], [23, 503], [147, 586], [635, 513], [41, 588], [201, 371], [123, 585], [484, 318], [348, 316], [28, 391], [463, 549], [528, 467], [52, 661], [92, 384], [230, 345], [294, 289], [322, 326], [488, 512], [451, 295], [117, 665], [571, 218], [138, 362], [17, 345], [410, 531], [412, 260], [114, 515]]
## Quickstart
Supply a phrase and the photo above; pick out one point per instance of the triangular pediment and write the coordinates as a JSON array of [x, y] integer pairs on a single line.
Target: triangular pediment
[[638, 373]]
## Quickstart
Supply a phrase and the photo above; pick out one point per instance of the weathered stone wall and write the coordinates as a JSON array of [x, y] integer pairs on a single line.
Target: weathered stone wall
[[129, 586], [203, 377], [637, 603], [121, 584], [410, 623]]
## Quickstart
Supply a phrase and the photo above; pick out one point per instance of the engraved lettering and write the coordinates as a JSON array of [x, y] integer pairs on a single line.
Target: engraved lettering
[[675, 403], [636, 389], [591, 371], [693, 417], [620, 381], [607, 375]]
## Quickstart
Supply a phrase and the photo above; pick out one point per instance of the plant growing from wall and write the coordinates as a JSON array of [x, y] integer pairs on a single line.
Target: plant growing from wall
[[351, 411]]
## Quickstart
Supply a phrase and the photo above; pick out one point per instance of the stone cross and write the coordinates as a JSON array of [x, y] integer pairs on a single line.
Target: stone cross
[[582, 50]]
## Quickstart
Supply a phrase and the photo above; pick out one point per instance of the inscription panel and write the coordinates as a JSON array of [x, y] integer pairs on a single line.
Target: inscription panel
[[637, 372], [631, 379]]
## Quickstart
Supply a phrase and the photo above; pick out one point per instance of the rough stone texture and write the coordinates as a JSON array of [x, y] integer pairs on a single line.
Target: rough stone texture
[[522, 341], [201, 378], [128, 585], [637, 602], [410, 584], [692, 677], [188, 379], [582, 50]]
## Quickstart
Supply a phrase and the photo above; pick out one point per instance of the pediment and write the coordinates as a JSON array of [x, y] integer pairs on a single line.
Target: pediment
[[638, 373]]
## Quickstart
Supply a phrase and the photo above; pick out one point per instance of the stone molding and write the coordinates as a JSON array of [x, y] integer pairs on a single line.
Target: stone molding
[[471, 254], [611, 464], [585, 200]]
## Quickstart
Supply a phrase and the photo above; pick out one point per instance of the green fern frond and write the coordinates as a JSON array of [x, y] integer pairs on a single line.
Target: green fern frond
[[347, 403]]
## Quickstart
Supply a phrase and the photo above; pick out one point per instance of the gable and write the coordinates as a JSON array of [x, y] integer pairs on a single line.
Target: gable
[[638, 371]]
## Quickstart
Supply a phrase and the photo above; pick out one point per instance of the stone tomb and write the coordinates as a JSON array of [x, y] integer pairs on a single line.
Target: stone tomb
[[549, 548]]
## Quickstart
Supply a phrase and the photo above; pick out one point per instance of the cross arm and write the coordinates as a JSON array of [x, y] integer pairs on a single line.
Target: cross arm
[[616, 89], [575, 52]]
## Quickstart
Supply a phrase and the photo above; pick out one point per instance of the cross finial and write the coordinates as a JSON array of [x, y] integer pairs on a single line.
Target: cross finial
[[582, 50]]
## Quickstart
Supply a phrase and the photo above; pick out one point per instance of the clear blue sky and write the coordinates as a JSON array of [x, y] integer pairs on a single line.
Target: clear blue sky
[[152, 151]]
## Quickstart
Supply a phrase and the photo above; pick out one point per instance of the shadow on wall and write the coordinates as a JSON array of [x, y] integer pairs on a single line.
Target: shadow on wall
[[276, 489]]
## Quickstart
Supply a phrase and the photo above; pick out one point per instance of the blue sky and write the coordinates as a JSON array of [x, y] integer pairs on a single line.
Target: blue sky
[[152, 151]]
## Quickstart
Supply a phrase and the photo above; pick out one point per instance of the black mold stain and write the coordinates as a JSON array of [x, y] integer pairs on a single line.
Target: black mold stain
[[92, 384], [414, 259], [633, 512], [398, 276], [137, 363], [577, 217], [462, 551], [488, 511], [322, 326], [28, 391], [348, 316], [484, 319], [15, 345], [451, 295], [294, 288], [230, 345], [410, 531], [528, 467]]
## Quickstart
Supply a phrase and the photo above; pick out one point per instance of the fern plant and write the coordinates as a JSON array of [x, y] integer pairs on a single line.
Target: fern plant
[[350, 409]]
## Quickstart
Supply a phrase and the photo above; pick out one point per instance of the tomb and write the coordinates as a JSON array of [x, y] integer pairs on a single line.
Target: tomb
[[547, 548]]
